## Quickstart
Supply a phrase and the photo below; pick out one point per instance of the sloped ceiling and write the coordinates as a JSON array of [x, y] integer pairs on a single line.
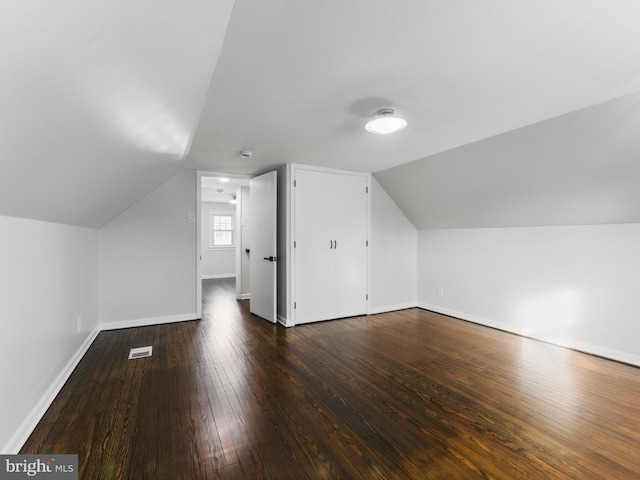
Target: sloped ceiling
[[582, 168], [99, 100], [297, 80], [103, 100]]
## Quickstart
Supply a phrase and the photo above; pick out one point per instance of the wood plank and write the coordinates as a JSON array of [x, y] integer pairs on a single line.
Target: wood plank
[[409, 394]]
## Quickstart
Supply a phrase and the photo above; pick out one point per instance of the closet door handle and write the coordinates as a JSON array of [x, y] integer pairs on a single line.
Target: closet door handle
[[331, 244], [335, 244]]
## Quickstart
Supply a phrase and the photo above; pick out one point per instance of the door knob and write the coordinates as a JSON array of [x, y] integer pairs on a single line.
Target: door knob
[[271, 259]]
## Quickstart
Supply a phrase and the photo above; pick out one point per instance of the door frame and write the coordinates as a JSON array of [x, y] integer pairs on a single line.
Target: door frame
[[199, 175], [291, 218]]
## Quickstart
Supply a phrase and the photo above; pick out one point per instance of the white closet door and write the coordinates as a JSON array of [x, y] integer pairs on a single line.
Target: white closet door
[[330, 212], [350, 251]]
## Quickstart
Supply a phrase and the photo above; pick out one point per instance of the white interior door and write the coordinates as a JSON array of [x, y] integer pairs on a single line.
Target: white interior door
[[263, 245]]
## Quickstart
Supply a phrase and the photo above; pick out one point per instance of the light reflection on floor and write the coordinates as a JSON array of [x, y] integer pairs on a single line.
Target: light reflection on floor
[[548, 381]]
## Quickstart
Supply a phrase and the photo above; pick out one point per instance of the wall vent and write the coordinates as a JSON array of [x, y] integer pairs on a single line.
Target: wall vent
[[140, 352]]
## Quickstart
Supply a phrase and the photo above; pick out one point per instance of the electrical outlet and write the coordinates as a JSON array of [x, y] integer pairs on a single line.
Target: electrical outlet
[[441, 292], [191, 218]]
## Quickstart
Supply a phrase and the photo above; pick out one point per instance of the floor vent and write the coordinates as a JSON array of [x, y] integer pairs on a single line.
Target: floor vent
[[140, 352]]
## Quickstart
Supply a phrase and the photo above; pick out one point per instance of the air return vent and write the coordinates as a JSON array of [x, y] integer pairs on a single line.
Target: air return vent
[[140, 352]]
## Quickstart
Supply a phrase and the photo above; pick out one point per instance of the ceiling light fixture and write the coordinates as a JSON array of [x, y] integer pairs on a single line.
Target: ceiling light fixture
[[223, 179], [246, 153], [385, 122]]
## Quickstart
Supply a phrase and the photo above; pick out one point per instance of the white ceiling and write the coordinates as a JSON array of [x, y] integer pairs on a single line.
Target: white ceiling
[[297, 80], [582, 168], [99, 100], [102, 100], [216, 190]]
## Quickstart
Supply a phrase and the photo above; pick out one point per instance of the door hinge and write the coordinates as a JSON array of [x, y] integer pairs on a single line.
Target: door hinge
[[295, 305], [366, 189], [295, 183], [367, 243], [295, 244], [367, 296]]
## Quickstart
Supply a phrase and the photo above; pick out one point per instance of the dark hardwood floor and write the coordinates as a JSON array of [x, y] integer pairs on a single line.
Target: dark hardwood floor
[[405, 395]]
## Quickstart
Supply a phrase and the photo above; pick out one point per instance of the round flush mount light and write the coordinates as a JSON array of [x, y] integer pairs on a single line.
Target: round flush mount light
[[245, 153], [385, 122]]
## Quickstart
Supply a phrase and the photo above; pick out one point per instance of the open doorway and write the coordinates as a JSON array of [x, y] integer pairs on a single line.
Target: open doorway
[[223, 249]]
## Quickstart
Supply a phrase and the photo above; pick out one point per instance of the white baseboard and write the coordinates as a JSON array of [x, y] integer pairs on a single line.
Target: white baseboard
[[616, 355], [218, 275], [145, 322], [392, 308], [590, 349], [487, 322], [284, 321], [36, 414], [245, 296]]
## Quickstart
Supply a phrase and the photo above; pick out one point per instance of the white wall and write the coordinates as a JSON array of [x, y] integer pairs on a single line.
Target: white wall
[[148, 258], [393, 246], [575, 286], [49, 312], [217, 262]]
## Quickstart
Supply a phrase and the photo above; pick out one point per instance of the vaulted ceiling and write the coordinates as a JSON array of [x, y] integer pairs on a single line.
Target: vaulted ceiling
[[104, 100], [99, 100]]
